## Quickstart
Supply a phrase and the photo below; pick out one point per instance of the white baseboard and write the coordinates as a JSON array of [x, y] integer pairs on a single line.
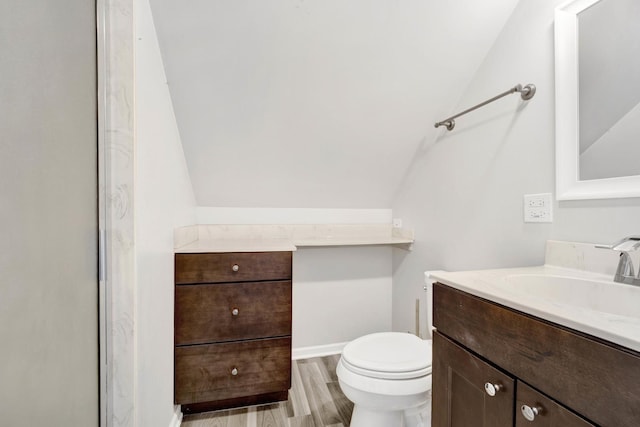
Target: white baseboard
[[176, 420], [317, 351]]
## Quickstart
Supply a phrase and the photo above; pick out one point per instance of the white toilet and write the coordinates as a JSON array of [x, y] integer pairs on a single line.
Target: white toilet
[[387, 376]]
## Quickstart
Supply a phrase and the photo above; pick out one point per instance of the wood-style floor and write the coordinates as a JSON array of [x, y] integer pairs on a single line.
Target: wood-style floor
[[315, 400]]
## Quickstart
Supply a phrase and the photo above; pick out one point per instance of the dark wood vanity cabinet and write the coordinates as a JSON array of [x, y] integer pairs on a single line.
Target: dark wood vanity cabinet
[[489, 361], [232, 329], [470, 392]]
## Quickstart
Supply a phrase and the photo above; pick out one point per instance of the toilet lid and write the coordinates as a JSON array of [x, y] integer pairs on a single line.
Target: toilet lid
[[393, 355]]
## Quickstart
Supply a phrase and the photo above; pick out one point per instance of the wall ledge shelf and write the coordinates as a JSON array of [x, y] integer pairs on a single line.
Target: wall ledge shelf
[[285, 237]]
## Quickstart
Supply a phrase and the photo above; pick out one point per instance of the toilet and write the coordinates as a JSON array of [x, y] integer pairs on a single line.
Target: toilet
[[387, 376]]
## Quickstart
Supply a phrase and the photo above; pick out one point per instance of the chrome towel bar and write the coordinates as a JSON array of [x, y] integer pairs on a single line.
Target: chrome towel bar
[[526, 93]]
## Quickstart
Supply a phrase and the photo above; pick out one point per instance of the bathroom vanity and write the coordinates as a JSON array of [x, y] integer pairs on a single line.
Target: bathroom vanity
[[232, 329], [495, 366]]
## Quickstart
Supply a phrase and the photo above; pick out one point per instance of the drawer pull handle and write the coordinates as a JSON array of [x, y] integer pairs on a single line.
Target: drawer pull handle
[[234, 371], [235, 312], [492, 389], [235, 267], [530, 413]]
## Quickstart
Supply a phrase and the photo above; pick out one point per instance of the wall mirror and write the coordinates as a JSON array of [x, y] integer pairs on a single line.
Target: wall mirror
[[597, 60]]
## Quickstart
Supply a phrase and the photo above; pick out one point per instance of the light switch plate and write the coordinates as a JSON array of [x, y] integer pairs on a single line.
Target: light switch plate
[[538, 207]]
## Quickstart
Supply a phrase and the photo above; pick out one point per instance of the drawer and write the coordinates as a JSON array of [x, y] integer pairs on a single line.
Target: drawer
[[207, 313], [550, 414], [232, 267], [576, 370], [230, 370]]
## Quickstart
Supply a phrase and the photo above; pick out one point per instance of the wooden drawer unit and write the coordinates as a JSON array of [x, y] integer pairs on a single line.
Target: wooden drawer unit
[[232, 329]]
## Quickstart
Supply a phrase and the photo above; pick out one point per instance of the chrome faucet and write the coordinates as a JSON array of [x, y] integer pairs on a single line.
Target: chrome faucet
[[625, 272]]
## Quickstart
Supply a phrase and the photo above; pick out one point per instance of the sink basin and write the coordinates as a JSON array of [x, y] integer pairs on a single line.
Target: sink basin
[[584, 293]]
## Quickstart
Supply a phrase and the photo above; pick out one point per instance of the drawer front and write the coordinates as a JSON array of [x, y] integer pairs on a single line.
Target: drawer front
[[232, 267], [205, 373], [232, 311], [549, 413], [585, 375]]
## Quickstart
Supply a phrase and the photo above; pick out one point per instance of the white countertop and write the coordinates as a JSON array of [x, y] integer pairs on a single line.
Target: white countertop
[[617, 329], [285, 237], [237, 245]]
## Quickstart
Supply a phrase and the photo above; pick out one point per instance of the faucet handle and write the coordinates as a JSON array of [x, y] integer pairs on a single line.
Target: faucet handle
[[626, 244], [625, 272]]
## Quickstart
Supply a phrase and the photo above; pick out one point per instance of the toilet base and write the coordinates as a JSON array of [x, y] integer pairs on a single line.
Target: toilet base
[[419, 416], [365, 417], [414, 417]]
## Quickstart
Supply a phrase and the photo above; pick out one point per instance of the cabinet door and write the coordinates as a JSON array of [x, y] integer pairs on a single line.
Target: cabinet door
[[468, 392], [534, 409]]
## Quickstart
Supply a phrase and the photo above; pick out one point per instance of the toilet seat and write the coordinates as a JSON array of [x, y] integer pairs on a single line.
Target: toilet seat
[[388, 355]]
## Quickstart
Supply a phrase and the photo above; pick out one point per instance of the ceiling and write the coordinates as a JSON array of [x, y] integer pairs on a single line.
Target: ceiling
[[315, 103]]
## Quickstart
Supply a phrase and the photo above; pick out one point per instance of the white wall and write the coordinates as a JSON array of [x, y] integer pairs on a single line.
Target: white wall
[[315, 103], [208, 215], [463, 191], [339, 293], [164, 200]]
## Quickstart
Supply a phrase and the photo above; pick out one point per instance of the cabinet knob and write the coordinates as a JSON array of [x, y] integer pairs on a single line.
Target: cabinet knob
[[235, 311], [234, 371], [530, 413], [235, 267], [492, 389]]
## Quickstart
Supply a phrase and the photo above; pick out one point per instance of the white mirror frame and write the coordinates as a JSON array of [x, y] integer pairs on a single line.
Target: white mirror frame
[[568, 184]]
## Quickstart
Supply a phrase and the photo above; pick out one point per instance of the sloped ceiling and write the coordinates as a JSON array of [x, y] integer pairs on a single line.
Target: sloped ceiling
[[316, 103]]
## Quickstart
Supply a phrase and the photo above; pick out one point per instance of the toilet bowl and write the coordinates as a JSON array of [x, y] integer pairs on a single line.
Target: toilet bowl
[[387, 376]]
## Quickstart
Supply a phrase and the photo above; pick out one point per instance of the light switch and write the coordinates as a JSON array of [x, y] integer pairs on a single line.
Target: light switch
[[538, 208]]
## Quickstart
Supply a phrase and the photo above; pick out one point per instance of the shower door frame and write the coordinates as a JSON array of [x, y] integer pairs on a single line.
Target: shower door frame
[[116, 137]]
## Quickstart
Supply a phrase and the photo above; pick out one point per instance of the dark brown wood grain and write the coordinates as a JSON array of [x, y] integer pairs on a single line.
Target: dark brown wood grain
[[218, 267], [551, 413], [599, 381], [204, 372], [211, 341], [459, 397], [204, 313]]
